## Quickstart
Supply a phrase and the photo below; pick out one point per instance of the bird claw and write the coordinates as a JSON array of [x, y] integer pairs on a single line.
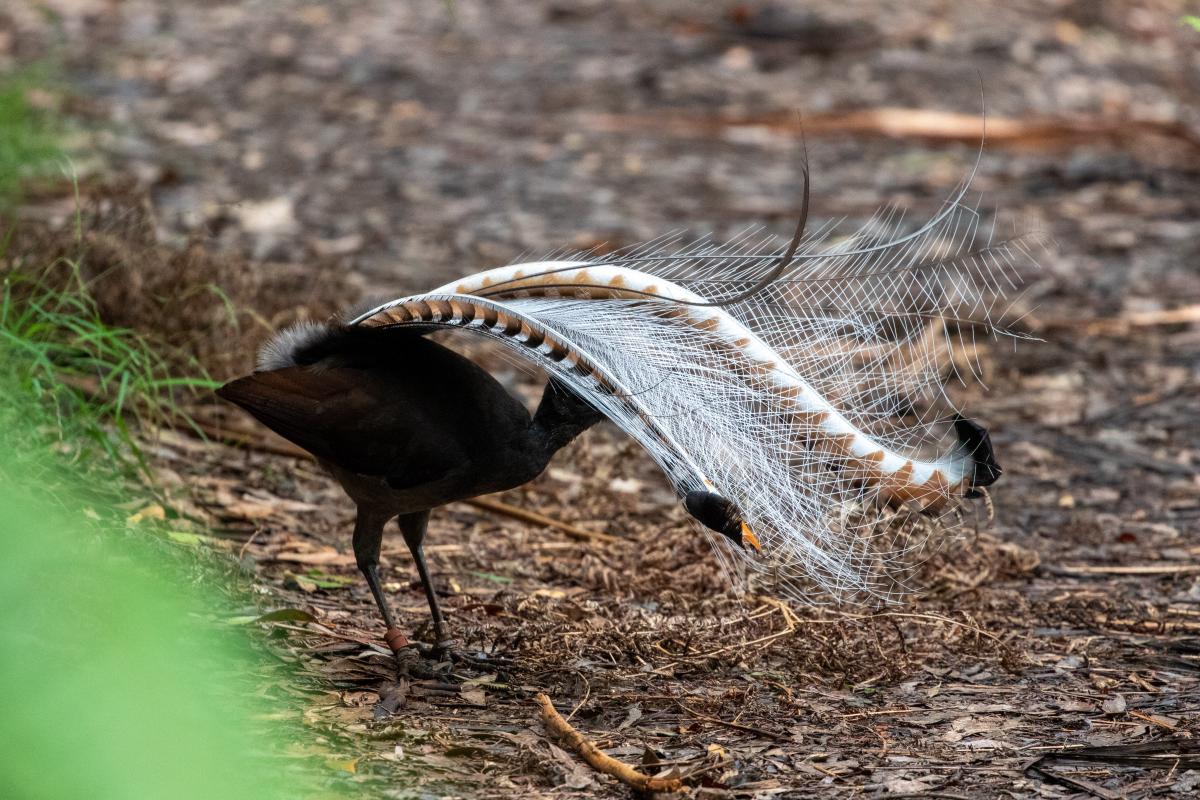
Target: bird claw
[[412, 657], [449, 650]]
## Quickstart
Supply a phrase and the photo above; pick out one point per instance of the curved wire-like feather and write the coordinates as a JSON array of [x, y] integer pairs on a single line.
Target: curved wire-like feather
[[800, 403]]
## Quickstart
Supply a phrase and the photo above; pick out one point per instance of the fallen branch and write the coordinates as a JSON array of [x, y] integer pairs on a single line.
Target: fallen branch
[[575, 532], [903, 123], [597, 758], [1123, 569], [1126, 323]]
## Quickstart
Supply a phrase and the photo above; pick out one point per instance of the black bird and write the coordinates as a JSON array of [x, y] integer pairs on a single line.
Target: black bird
[[405, 425]]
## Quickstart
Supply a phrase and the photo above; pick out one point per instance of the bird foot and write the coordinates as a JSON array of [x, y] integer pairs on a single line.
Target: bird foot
[[410, 665], [450, 650], [413, 658]]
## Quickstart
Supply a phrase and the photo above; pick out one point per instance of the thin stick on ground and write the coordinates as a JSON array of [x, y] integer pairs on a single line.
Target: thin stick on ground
[[533, 517], [597, 758]]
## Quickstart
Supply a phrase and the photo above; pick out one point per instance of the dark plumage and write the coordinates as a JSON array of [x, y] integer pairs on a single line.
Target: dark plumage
[[405, 425]]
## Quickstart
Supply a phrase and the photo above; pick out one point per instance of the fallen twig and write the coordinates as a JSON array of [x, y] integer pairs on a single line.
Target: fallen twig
[[903, 123], [575, 532], [1119, 569], [1126, 323], [597, 758], [737, 726]]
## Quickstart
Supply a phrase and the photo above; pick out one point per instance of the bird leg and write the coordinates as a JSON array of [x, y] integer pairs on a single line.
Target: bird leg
[[368, 539], [413, 527]]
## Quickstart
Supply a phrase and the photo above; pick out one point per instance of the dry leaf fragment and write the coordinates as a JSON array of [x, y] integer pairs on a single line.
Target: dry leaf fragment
[[1114, 704], [154, 511]]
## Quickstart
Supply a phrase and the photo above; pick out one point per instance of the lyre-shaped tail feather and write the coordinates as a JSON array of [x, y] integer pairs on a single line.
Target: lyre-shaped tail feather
[[793, 404]]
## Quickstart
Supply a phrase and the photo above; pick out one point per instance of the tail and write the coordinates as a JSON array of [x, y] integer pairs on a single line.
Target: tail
[[781, 416]]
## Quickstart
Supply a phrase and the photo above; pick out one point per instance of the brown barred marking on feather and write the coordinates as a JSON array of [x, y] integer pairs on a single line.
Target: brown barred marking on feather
[[897, 485], [927, 496], [385, 317], [440, 309], [673, 312], [554, 348], [419, 309], [536, 338], [937, 492], [464, 312]]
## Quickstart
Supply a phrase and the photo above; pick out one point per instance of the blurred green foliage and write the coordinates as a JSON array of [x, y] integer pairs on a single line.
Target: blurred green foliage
[[115, 682], [112, 687], [30, 136], [115, 679]]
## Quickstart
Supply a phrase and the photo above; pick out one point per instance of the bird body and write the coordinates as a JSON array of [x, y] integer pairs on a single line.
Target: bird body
[[405, 425]]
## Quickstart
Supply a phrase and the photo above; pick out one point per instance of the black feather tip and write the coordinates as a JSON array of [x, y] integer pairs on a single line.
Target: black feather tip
[[974, 437]]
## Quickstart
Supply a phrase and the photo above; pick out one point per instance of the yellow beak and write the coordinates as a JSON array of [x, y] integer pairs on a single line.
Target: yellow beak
[[749, 539]]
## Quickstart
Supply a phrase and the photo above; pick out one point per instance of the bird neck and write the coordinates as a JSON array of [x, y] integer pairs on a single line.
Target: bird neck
[[560, 417], [552, 433]]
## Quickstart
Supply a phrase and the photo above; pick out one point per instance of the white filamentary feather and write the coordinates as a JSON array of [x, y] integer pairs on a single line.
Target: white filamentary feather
[[800, 404]]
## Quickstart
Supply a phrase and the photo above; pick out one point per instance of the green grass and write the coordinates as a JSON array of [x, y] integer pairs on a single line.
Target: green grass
[[99, 382], [95, 381]]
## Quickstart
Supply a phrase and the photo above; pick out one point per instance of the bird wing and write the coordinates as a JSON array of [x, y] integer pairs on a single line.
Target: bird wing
[[354, 418]]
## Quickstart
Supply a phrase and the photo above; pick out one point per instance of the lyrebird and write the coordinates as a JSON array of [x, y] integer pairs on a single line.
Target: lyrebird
[[759, 381]]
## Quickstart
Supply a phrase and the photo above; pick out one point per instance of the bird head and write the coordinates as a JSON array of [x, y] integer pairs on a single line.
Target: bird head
[[721, 515]]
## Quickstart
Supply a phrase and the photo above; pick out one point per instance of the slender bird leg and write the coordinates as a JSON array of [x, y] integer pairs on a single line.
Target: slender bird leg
[[368, 538], [413, 527]]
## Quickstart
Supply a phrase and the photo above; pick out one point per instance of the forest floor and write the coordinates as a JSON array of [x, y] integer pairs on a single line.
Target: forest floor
[[302, 155]]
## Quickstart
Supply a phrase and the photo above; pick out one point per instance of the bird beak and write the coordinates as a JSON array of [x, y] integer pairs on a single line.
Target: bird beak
[[750, 540]]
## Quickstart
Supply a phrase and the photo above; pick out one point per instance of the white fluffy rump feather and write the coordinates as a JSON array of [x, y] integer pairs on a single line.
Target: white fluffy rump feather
[[813, 405]]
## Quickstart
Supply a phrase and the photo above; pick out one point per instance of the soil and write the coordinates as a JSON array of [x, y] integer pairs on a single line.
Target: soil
[[1055, 650]]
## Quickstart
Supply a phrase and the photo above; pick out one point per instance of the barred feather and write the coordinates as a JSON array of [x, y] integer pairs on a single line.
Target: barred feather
[[803, 404]]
